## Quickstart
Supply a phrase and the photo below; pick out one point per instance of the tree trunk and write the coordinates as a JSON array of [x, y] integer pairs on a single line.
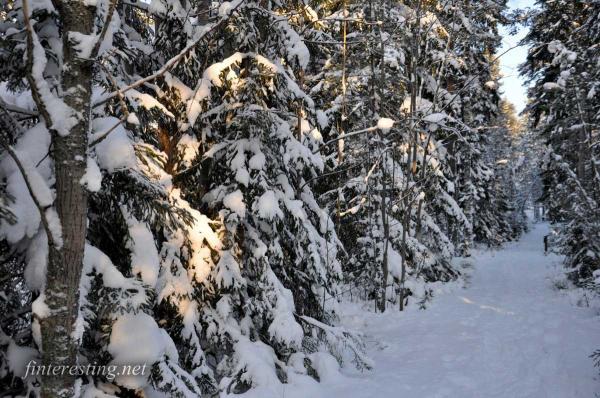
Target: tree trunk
[[405, 227], [203, 7], [65, 262], [386, 242]]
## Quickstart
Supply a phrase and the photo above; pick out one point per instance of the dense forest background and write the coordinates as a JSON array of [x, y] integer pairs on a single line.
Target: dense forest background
[[195, 184]]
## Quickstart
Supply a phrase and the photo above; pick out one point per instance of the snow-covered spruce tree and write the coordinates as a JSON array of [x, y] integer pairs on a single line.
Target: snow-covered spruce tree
[[434, 107], [358, 193], [562, 66], [154, 233], [15, 297], [278, 268], [474, 101], [425, 202], [340, 84], [430, 42]]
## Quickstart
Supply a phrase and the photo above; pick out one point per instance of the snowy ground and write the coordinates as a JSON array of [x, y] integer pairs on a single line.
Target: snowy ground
[[508, 334]]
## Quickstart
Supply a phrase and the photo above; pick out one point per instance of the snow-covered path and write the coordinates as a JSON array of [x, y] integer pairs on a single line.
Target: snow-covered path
[[509, 334]]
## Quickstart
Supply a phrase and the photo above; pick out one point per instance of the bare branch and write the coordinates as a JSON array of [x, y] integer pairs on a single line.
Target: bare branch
[[334, 140], [104, 135], [17, 109], [35, 90], [119, 93], [109, 13]]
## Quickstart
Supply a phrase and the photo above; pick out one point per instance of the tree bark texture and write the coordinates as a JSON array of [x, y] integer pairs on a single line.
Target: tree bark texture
[[70, 154]]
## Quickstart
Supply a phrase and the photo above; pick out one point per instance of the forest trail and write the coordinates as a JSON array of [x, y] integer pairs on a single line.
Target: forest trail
[[509, 334]]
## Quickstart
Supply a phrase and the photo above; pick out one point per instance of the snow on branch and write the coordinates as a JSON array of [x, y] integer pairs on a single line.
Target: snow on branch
[[340, 339], [211, 78], [384, 124], [170, 64], [42, 200], [57, 115]]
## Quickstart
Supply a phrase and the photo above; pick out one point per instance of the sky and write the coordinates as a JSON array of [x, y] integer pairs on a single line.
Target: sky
[[512, 85]]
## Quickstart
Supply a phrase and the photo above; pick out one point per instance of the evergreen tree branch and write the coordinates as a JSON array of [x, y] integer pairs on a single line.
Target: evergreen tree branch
[[173, 62]]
